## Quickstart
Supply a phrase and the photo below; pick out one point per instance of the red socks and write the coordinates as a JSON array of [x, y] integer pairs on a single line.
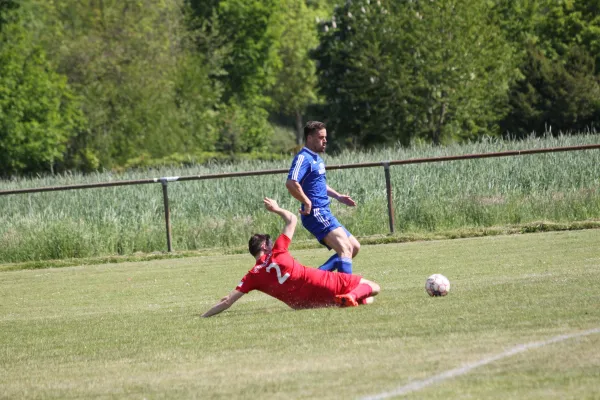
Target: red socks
[[362, 291]]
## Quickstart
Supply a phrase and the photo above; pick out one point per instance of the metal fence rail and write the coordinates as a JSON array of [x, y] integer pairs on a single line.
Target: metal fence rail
[[385, 164]]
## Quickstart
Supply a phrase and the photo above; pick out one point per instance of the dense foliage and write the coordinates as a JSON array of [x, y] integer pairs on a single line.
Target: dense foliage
[[87, 85], [39, 113], [406, 70]]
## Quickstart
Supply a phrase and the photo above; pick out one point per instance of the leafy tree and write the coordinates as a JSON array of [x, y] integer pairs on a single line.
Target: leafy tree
[[244, 128], [39, 113], [570, 23], [397, 71], [519, 20], [359, 76], [253, 60], [6, 14], [554, 97], [252, 34], [250, 68], [463, 68], [146, 90], [558, 89], [296, 84]]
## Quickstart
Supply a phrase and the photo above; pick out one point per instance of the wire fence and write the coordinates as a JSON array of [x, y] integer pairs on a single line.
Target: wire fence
[[164, 181]]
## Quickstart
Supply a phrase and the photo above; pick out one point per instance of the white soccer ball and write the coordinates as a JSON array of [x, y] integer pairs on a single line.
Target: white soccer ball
[[437, 285]]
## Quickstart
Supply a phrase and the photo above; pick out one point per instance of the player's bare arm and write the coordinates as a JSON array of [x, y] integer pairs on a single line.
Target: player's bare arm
[[342, 198], [224, 303], [296, 191], [289, 218]]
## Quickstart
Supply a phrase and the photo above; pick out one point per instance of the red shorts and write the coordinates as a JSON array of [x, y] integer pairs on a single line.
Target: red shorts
[[324, 295], [346, 283]]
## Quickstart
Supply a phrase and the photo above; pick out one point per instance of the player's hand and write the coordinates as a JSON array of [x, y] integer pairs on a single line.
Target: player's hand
[[307, 209], [270, 204], [347, 200]]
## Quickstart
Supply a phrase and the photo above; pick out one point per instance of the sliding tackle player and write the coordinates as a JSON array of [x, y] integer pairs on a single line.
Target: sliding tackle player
[[279, 275]]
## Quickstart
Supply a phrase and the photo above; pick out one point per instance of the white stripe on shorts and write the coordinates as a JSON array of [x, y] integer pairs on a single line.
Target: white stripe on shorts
[[318, 216]]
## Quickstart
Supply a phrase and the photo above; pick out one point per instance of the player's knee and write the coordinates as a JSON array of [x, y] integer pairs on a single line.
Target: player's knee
[[355, 248], [375, 288], [354, 244], [341, 245], [346, 249]]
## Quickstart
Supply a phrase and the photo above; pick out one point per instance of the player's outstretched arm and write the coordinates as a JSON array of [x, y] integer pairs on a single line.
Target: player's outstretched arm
[[224, 304], [342, 198], [289, 218]]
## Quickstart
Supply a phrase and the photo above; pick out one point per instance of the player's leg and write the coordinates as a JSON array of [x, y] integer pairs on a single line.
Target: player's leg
[[338, 240], [331, 263], [345, 244], [355, 245], [320, 227], [365, 289], [363, 293], [366, 300], [329, 232], [374, 287], [355, 290], [335, 262]]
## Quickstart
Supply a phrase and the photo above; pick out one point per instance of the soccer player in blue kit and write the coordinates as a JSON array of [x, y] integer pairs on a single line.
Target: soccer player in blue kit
[[308, 184]]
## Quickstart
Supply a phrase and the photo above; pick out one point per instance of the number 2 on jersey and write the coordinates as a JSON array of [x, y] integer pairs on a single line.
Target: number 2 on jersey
[[280, 278]]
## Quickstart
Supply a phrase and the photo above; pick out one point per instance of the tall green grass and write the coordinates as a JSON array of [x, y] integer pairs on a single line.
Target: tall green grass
[[434, 197]]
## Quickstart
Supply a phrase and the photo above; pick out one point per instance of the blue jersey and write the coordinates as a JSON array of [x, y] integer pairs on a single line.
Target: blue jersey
[[308, 169]]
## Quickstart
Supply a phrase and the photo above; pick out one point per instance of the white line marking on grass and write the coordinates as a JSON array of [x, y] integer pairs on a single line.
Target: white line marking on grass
[[418, 385]]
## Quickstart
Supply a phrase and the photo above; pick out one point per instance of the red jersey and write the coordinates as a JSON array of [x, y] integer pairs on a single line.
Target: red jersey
[[279, 275]]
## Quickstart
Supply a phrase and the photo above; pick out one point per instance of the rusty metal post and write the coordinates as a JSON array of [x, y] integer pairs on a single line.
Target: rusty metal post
[[388, 188], [164, 182]]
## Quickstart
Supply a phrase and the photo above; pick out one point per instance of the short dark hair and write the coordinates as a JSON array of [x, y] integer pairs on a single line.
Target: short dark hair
[[312, 127], [256, 241]]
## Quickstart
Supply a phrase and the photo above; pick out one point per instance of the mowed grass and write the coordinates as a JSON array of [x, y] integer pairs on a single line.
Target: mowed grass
[[132, 330]]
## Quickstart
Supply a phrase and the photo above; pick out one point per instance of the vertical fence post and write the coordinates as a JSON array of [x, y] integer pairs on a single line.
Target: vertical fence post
[[388, 188], [164, 182]]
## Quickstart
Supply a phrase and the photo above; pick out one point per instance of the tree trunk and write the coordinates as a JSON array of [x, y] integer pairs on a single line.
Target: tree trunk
[[299, 128], [438, 129]]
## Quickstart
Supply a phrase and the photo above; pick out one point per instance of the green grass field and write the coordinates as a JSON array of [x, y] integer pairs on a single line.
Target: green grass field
[[131, 330]]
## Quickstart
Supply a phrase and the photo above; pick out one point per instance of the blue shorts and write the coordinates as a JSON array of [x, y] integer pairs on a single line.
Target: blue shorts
[[320, 222]]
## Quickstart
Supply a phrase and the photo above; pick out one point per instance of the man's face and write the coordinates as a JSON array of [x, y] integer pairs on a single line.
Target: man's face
[[317, 141]]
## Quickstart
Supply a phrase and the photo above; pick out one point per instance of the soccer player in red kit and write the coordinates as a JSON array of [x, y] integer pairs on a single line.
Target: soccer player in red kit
[[277, 274]]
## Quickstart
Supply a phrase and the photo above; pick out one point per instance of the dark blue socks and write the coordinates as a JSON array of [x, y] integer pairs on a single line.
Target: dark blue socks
[[330, 264], [344, 265], [336, 263]]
